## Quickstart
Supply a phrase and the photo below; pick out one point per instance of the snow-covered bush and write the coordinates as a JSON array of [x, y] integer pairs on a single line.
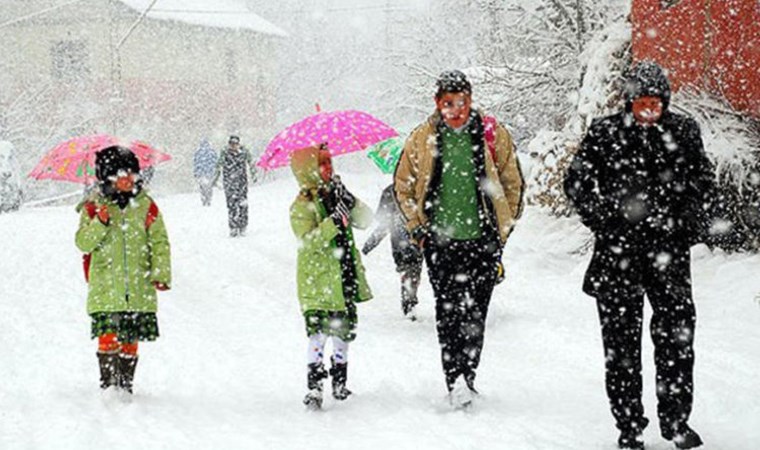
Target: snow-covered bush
[[603, 63], [732, 141]]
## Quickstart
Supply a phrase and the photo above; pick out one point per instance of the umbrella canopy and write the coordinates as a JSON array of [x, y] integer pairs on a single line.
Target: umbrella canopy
[[386, 154], [74, 160], [343, 132]]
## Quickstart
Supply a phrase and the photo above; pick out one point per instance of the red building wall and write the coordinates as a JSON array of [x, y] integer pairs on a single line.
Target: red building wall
[[708, 44]]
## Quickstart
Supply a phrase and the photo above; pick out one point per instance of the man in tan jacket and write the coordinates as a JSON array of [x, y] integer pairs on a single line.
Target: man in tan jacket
[[459, 185]]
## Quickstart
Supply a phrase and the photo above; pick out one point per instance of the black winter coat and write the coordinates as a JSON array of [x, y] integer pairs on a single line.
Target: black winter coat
[[641, 190]]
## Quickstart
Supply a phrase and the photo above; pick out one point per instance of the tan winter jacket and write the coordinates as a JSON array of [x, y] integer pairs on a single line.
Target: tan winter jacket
[[415, 170]]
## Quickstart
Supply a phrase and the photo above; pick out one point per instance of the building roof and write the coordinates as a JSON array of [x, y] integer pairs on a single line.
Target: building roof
[[210, 13]]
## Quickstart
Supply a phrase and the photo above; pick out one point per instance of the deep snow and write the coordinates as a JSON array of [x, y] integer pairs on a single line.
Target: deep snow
[[229, 368]]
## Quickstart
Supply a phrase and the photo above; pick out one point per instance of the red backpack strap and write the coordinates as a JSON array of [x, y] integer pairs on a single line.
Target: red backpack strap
[[152, 215], [489, 132], [91, 208]]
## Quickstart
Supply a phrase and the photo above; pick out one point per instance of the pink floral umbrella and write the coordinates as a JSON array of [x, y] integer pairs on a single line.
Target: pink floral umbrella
[[343, 132], [74, 160]]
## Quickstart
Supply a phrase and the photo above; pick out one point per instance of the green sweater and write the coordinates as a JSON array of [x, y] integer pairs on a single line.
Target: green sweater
[[456, 212]]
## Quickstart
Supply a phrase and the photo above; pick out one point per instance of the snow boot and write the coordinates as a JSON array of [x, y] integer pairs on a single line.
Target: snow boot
[[682, 436], [461, 396], [314, 377], [127, 365], [339, 374], [411, 313], [631, 437], [109, 369]]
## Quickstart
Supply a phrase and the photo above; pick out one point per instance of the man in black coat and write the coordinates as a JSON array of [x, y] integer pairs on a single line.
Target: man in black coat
[[234, 164], [642, 183]]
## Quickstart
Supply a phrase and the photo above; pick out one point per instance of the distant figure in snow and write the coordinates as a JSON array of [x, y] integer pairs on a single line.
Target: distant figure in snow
[[460, 193], [204, 169], [642, 183], [406, 255], [330, 273], [234, 164], [127, 259]]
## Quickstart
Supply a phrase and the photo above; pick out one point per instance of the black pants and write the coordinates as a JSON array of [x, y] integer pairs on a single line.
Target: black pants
[[665, 278], [237, 206], [462, 274]]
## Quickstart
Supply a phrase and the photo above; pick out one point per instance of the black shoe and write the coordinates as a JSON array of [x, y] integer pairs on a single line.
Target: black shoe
[[631, 439], [316, 373], [313, 400], [109, 369], [682, 435], [631, 436], [127, 366], [339, 374]]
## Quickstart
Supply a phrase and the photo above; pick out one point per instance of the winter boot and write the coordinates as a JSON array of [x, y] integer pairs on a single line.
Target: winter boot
[[460, 396], [631, 440], [631, 437], [339, 374], [314, 377], [410, 312], [109, 369], [127, 365], [682, 435]]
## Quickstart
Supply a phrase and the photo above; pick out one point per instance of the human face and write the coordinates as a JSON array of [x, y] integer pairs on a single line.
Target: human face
[[234, 144], [325, 166], [455, 108], [125, 181], [647, 110]]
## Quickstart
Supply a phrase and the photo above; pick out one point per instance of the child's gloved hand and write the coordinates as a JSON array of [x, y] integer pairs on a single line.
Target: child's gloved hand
[[160, 286], [341, 214], [342, 195], [103, 215]]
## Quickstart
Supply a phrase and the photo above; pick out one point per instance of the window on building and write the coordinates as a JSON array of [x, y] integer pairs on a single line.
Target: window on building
[[665, 4], [69, 60]]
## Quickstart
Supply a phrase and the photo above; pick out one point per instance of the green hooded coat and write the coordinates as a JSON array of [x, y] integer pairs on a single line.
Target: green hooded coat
[[319, 276], [127, 256]]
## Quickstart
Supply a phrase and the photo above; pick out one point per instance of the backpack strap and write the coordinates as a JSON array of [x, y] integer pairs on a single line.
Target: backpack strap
[[489, 132], [91, 208], [152, 215]]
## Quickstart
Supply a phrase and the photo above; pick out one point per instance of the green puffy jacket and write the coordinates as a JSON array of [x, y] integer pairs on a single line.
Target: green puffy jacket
[[127, 256], [319, 277]]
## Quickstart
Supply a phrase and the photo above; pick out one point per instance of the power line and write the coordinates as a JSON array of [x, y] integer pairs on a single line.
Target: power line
[[38, 13]]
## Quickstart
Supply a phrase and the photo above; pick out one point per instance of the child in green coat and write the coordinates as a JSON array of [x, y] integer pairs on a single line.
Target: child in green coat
[[127, 259], [330, 274]]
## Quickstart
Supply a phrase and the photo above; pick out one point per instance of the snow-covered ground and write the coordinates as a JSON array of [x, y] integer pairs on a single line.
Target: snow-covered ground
[[229, 369]]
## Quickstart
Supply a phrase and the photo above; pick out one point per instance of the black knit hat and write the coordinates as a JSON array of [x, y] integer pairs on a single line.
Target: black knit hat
[[110, 160], [646, 79], [452, 82]]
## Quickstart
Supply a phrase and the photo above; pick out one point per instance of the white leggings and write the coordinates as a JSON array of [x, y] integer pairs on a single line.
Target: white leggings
[[315, 351]]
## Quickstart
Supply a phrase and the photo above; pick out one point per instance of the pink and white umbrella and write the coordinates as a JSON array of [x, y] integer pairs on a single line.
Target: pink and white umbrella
[[343, 132], [74, 160]]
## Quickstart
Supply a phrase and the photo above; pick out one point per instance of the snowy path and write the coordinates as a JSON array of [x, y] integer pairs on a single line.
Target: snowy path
[[228, 371]]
